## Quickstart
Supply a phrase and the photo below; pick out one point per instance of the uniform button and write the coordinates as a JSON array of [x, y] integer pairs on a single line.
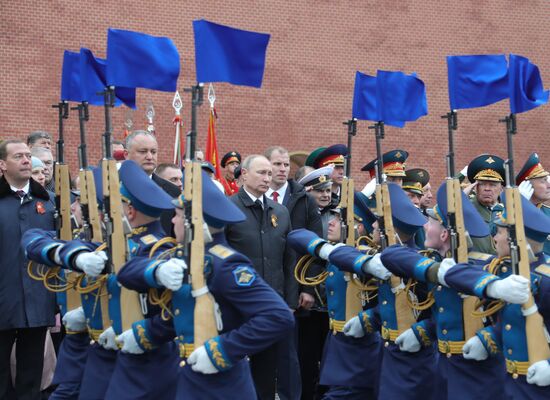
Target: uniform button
[[386, 344], [508, 327], [439, 287], [177, 312], [332, 292], [441, 309], [444, 331], [85, 297], [182, 364], [331, 274], [262, 232], [509, 351], [504, 269], [385, 323], [384, 302]]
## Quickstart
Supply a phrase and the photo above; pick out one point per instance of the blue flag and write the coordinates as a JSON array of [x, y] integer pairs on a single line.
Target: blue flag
[[136, 59], [526, 89], [400, 97], [365, 102], [70, 77], [477, 81], [225, 54], [93, 81]]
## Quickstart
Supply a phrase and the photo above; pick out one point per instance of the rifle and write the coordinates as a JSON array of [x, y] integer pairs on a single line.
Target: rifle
[[537, 345], [403, 312], [354, 303], [63, 203], [131, 307], [457, 229]]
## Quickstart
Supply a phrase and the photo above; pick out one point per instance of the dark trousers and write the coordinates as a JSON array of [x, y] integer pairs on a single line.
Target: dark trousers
[[263, 366], [29, 358], [312, 332], [289, 383]]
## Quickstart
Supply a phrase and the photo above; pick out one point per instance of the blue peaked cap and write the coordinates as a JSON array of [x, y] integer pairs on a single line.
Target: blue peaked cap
[[536, 223], [361, 209], [473, 222], [217, 209], [406, 216], [144, 194]]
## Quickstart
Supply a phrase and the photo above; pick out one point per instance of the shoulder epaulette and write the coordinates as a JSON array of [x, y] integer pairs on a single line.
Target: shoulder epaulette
[[148, 239], [477, 255], [543, 269], [221, 251]]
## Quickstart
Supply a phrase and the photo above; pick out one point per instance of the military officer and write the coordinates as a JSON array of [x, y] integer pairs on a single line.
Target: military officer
[[486, 175], [318, 183], [334, 155], [458, 378], [253, 316], [230, 161], [524, 380], [534, 184], [310, 160], [394, 166], [414, 182]]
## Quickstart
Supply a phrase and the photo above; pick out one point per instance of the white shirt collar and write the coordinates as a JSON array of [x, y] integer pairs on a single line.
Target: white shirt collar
[[282, 192], [24, 188], [254, 198]]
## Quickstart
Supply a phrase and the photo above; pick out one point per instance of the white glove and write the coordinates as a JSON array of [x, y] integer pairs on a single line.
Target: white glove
[[369, 188], [407, 341], [539, 373], [464, 171], [75, 320], [326, 249], [473, 349], [107, 339], [526, 189], [513, 289], [91, 263], [170, 273], [127, 342], [200, 362], [445, 265], [354, 328], [375, 267]]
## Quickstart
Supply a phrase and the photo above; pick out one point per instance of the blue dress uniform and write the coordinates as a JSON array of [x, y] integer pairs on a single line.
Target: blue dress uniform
[[253, 315], [508, 333], [458, 378], [40, 246], [400, 374], [349, 365], [414, 181]]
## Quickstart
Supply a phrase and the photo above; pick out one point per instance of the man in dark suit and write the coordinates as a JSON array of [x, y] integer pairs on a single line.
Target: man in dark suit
[[304, 213], [262, 238], [142, 147], [26, 307]]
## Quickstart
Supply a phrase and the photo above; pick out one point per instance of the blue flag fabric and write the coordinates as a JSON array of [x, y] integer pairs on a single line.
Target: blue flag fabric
[[525, 85], [400, 97], [93, 81], [136, 59], [70, 77], [365, 101], [225, 54], [476, 80]]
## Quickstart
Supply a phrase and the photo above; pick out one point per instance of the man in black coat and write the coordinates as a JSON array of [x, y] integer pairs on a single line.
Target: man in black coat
[[262, 238], [142, 147], [304, 213], [26, 307]]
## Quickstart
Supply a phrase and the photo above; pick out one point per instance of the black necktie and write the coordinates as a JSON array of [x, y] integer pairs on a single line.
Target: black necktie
[[21, 193]]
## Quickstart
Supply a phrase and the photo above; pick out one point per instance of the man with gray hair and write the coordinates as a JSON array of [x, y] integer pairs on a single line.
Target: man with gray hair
[[45, 155], [142, 147], [39, 139], [262, 238]]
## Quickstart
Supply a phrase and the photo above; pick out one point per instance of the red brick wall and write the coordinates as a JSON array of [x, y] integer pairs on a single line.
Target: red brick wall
[[315, 49]]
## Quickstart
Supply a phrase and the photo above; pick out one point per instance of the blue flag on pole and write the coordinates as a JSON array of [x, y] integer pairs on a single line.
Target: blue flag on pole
[[400, 97], [225, 54], [136, 59], [477, 81], [93, 81], [70, 77], [525, 83], [365, 101]]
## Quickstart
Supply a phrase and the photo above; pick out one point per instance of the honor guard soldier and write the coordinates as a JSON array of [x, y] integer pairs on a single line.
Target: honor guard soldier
[[413, 184], [458, 378], [334, 155], [253, 316], [534, 184], [394, 166], [486, 174], [230, 161], [400, 374], [510, 334]]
